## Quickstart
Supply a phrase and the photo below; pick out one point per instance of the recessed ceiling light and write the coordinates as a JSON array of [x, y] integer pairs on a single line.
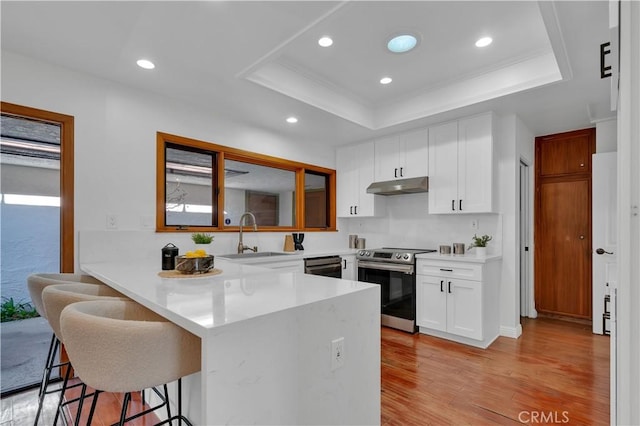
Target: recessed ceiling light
[[484, 42], [146, 64], [386, 80], [325, 41], [292, 120], [402, 43]]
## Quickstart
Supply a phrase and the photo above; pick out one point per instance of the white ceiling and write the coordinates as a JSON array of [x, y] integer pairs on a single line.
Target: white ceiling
[[259, 62]]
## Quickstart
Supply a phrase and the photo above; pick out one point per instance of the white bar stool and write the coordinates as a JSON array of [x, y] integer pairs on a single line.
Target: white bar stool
[[121, 346], [55, 298], [36, 283]]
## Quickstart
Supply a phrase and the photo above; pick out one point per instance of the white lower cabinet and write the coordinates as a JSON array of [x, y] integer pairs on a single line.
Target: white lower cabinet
[[462, 309], [349, 267]]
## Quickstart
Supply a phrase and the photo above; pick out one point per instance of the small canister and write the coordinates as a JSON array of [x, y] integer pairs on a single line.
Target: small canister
[[361, 243], [445, 249], [458, 248], [353, 241], [169, 253]]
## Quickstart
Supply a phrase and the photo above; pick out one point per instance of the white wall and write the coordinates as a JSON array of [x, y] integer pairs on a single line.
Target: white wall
[[607, 136], [115, 137]]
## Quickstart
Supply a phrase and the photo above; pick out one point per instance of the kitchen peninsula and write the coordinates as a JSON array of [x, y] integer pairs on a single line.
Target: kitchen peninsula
[[266, 339]]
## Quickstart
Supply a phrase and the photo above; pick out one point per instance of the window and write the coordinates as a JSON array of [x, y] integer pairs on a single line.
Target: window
[[194, 178]]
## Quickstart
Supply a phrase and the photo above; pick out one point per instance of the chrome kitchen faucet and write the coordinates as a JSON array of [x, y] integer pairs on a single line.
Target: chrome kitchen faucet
[[241, 246]]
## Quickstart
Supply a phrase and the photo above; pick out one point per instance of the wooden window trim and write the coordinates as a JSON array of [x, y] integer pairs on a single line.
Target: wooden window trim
[[66, 123], [224, 152]]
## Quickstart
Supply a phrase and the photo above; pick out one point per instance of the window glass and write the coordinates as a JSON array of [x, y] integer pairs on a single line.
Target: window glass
[[316, 200], [189, 199], [267, 192]]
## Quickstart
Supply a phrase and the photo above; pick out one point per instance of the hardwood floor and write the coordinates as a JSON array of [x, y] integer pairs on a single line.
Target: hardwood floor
[[557, 372]]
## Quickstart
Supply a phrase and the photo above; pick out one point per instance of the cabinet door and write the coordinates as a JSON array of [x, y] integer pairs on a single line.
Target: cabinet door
[[475, 164], [464, 308], [364, 155], [414, 154], [349, 267], [443, 168], [387, 159], [346, 181], [431, 302]]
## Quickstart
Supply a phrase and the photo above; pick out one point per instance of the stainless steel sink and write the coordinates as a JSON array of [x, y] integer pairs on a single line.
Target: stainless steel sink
[[251, 255]]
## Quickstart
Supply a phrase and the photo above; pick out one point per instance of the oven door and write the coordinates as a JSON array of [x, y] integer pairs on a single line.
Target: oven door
[[398, 292]]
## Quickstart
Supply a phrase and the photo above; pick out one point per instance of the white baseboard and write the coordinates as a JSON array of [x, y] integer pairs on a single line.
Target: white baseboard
[[513, 332]]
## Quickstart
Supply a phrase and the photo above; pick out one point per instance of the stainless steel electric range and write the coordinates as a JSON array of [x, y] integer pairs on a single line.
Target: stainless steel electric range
[[394, 269]]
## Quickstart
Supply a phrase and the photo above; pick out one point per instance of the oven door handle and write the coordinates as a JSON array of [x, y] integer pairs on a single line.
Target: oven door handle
[[405, 269]]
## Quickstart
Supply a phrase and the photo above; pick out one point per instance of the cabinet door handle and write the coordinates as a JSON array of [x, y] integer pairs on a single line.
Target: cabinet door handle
[[453, 205], [401, 175], [395, 172], [446, 270], [449, 286], [460, 207], [350, 209], [345, 263], [355, 209], [441, 286]]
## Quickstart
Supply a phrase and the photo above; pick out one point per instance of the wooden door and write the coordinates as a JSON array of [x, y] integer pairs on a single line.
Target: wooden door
[[563, 224]]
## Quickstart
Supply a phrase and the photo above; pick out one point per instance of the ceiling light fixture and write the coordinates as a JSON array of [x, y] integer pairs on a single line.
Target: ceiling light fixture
[[146, 64], [484, 42], [402, 43], [325, 41], [292, 120], [386, 80]]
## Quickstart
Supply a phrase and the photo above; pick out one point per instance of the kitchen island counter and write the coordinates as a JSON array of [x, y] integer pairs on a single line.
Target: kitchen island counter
[[266, 341]]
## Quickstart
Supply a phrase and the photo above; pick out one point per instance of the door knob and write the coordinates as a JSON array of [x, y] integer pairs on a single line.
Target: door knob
[[581, 237], [603, 251]]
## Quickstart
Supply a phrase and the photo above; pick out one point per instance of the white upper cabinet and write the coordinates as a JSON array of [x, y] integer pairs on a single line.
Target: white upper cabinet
[[461, 166], [355, 172], [402, 156]]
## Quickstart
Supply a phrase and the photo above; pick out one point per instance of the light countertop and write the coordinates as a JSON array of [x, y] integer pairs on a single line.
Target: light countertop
[[467, 257], [201, 304]]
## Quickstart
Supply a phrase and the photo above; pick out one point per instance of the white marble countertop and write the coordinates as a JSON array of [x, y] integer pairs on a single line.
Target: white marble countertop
[[239, 293], [467, 257]]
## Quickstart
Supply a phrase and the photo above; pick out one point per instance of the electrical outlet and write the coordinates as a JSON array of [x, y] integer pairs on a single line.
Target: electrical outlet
[[337, 353], [112, 221], [474, 223]]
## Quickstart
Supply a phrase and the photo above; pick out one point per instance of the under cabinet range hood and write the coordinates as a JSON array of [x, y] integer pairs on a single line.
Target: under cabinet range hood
[[400, 186]]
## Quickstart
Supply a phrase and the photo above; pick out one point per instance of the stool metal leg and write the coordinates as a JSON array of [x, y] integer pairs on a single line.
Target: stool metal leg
[[46, 377], [94, 403]]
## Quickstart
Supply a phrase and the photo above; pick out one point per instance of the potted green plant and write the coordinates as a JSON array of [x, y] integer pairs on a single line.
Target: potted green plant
[[202, 240], [480, 244]]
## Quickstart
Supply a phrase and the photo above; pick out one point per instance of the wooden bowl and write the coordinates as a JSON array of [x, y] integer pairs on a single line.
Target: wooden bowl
[[194, 265]]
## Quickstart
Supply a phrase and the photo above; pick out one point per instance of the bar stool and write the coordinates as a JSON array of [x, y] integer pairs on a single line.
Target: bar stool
[[36, 283], [55, 298], [121, 346]]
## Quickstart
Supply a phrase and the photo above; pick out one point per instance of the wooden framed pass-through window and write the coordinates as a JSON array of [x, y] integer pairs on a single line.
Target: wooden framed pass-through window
[[201, 186]]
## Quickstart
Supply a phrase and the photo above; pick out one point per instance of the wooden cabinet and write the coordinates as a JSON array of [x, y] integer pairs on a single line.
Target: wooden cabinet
[[461, 163], [355, 172], [349, 267], [402, 156], [458, 300]]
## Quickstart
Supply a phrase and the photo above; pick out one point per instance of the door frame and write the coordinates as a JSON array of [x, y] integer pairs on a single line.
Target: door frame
[[527, 296], [66, 123]]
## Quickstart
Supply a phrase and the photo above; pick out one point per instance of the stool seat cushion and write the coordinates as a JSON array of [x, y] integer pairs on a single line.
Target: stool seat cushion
[[121, 346], [36, 283], [56, 297]]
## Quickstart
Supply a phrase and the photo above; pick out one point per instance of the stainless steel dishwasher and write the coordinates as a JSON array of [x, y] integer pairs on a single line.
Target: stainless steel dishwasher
[[327, 266]]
